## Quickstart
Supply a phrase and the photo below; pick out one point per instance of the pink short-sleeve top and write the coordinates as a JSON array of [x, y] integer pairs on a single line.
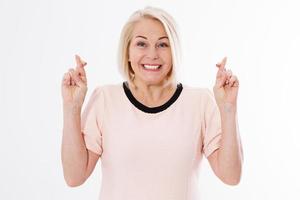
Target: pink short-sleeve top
[[151, 153]]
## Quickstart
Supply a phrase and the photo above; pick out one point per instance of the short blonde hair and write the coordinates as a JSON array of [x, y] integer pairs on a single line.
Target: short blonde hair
[[126, 35]]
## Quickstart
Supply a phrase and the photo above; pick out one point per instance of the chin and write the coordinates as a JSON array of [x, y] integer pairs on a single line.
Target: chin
[[154, 81]]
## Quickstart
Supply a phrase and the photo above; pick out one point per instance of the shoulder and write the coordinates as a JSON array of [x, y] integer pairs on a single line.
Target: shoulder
[[107, 88], [102, 94], [197, 92], [196, 97]]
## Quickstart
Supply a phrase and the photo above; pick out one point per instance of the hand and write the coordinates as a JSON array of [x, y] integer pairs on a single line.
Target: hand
[[226, 86], [74, 85]]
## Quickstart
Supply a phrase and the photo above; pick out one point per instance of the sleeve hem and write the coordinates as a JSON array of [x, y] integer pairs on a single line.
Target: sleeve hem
[[212, 146], [90, 146], [211, 150]]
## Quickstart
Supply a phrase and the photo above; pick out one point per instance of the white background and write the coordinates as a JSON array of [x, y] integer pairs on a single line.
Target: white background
[[38, 41]]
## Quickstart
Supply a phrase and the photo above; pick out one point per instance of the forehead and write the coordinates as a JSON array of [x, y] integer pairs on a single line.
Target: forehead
[[149, 28]]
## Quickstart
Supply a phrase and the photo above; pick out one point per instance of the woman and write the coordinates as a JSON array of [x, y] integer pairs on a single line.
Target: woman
[[150, 131]]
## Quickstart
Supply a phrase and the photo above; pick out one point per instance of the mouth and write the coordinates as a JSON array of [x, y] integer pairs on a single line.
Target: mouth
[[151, 67]]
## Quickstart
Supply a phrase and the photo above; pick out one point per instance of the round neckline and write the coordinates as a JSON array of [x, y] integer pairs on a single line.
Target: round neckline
[[147, 109]]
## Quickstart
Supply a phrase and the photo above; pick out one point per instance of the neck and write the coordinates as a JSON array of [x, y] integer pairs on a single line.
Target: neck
[[152, 94]]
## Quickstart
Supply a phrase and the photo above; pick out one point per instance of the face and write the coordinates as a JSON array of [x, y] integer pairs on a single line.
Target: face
[[150, 52]]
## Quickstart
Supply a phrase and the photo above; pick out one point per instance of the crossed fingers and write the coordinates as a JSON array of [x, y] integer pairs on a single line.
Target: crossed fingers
[[225, 77]]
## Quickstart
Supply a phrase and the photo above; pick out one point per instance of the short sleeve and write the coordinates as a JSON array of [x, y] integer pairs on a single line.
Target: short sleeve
[[211, 124], [91, 122]]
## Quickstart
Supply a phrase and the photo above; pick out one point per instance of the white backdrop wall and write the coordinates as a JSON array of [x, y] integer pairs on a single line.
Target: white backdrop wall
[[38, 41]]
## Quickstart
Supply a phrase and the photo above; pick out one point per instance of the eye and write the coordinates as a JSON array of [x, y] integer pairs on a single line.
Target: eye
[[163, 45], [141, 44]]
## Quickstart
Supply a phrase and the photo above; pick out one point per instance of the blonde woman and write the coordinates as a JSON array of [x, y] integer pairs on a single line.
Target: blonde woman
[[150, 131]]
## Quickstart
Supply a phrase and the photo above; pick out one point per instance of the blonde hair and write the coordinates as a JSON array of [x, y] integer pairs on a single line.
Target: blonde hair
[[126, 35]]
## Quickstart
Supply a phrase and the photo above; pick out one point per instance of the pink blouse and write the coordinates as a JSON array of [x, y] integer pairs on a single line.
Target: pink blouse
[[151, 153]]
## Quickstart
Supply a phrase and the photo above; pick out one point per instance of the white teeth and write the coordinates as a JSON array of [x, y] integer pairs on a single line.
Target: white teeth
[[151, 66]]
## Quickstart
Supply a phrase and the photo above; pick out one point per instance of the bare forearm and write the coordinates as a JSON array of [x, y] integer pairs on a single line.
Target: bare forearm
[[230, 154], [74, 153]]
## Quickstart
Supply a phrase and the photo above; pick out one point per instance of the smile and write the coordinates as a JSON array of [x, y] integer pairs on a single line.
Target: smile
[[151, 67]]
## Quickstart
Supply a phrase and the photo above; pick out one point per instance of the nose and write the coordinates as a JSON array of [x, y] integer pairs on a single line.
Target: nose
[[152, 53]]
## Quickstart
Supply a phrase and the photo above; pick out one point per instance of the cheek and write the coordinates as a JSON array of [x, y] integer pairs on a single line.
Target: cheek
[[134, 56], [167, 57]]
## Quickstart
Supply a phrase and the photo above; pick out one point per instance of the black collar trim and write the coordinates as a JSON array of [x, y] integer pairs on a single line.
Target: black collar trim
[[147, 109]]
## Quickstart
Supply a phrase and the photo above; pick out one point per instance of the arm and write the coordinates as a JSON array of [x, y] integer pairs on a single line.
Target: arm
[[78, 162], [226, 161]]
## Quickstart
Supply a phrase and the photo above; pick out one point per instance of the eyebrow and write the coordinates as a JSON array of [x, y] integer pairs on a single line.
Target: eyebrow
[[164, 37]]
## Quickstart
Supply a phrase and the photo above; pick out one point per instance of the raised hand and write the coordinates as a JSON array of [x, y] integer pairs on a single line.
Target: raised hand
[[226, 85], [74, 84]]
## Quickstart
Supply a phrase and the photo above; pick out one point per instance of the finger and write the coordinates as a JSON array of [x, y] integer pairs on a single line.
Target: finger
[[220, 70], [81, 73], [236, 84], [219, 74], [80, 67], [224, 74], [221, 65], [83, 62], [76, 78], [221, 79], [229, 73], [79, 81], [66, 79], [72, 74], [233, 80], [72, 83], [79, 61], [228, 76]]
